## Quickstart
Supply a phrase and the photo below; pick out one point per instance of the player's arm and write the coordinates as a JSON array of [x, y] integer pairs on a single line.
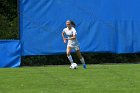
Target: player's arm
[[64, 39]]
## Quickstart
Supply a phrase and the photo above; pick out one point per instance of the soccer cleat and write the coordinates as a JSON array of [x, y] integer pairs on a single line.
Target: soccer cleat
[[84, 66]]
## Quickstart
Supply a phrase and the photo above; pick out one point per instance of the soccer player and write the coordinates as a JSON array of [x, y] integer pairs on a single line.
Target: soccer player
[[70, 32]]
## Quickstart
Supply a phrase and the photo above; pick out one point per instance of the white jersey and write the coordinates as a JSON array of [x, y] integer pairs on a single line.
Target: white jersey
[[69, 34]]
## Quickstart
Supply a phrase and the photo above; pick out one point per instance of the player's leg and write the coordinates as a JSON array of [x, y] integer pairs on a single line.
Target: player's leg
[[69, 55], [80, 57]]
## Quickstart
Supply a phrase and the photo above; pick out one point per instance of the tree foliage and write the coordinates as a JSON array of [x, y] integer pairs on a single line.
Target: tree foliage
[[8, 19]]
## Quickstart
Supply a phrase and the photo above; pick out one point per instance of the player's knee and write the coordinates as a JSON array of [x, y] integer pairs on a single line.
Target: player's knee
[[79, 54], [68, 54]]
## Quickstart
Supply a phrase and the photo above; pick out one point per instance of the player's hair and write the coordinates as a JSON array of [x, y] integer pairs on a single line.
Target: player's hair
[[73, 23]]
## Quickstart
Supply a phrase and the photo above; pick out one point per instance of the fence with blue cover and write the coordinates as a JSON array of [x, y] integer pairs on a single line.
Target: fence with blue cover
[[102, 25], [10, 53]]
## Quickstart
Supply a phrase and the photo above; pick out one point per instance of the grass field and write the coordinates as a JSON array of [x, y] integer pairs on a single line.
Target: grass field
[[119, 78]]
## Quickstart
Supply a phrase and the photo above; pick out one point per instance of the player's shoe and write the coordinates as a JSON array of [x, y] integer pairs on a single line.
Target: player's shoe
[[84, 66]]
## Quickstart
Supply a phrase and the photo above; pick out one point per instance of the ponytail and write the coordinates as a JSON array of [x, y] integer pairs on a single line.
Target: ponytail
[[73, 24]]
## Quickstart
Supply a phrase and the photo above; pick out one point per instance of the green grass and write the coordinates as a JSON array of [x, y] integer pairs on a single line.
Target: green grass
[[119, 78]]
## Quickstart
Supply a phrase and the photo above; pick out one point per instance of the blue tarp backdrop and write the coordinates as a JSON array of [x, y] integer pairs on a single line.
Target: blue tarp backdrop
[[10, 53], [102, 25]]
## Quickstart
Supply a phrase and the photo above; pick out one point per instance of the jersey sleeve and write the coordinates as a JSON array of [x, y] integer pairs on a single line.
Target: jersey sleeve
[[74, 31]]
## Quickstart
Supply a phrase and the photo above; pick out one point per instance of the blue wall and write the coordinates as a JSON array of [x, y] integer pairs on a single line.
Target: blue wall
[[10, 53], [102, 25]]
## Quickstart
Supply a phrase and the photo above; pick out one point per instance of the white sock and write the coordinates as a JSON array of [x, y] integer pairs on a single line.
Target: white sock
[[70, 59], [82, 60]]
